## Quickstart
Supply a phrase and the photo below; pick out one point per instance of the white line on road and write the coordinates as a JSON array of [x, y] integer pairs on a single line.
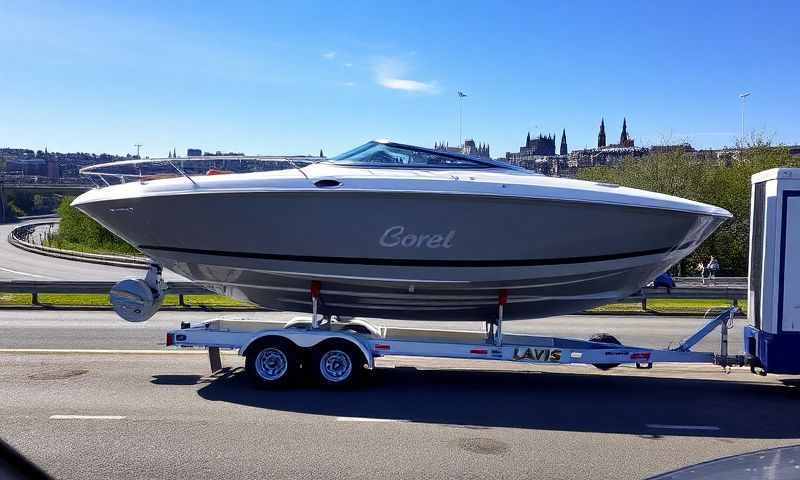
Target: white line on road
[[17, 272], [682, 427], [365, 419], [87, 417], [111, 351]]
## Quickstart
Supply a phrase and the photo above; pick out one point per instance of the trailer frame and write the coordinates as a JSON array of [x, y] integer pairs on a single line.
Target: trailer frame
[[308, 336]]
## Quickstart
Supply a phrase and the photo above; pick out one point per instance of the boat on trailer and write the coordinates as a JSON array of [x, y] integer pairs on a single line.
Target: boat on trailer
[[396, 231], [336, 351]]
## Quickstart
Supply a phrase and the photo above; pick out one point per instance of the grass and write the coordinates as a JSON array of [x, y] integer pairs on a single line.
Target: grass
[[96, 300], [104, 249], [660, 305], [671, 305]]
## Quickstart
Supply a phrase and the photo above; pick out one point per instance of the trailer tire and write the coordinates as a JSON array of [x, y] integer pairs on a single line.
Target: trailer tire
[[605, 338], [337, 364], [272, 363]]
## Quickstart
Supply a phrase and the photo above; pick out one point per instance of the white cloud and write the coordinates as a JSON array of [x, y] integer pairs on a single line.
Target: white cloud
[[329, 55], [389, 73], [349, 84], [348, 65], [409, 85]]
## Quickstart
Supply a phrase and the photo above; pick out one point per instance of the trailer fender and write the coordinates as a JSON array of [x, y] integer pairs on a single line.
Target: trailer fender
[[308, 339]]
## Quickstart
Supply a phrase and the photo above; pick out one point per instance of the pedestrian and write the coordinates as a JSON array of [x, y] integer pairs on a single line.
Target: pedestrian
[[701, 267], [713, 268]]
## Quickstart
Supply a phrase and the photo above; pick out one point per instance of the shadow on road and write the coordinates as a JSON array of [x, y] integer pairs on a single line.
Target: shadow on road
[[176, 379], [543, 401]]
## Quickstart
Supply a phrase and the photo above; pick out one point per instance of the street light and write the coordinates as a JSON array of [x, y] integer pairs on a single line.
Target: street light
[[743, 96], [461, 96]]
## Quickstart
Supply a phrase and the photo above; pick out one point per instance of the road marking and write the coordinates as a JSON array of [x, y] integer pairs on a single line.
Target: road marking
[[87, 417], [110, 351], [17, 272], [366, 419], [682, 427]]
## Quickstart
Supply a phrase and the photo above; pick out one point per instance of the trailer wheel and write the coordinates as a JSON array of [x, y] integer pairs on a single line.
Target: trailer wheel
[[337, 363], [272, 363], [605, 338]]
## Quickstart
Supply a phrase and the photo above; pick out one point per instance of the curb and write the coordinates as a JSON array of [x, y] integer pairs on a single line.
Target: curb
[[651, 313]]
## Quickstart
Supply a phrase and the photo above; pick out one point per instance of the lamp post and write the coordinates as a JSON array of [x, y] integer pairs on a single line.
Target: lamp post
[[743, 97]]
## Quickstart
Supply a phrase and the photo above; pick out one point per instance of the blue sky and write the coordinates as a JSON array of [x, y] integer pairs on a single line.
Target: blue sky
[[294, 77]]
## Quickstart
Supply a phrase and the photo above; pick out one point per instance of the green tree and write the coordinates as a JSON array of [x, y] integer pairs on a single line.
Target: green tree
[[79, 232], [722, 182]]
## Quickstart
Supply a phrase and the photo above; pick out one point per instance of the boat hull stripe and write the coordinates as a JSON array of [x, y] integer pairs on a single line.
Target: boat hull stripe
[[403, 262]]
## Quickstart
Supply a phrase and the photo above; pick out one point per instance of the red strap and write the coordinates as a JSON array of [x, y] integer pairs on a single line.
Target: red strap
[[502, 297], [315, 288]]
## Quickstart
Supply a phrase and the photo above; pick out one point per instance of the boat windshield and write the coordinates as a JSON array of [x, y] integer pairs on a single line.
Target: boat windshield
[[376, 154]]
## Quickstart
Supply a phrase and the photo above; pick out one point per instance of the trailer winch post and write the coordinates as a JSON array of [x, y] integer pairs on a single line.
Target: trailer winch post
[[495, 330], [316, 287]]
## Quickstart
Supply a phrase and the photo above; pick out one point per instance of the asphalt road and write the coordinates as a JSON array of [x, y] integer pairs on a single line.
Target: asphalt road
[[156, 416], [132, 415], [18, 264]]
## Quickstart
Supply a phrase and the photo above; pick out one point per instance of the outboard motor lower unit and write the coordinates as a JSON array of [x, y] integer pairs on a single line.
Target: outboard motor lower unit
[[136, 300]]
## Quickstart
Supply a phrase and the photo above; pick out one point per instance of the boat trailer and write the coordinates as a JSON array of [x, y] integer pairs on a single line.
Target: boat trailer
[[336, 351]]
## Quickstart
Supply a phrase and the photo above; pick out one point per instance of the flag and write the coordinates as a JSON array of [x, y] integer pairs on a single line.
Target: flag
[[461, 94]]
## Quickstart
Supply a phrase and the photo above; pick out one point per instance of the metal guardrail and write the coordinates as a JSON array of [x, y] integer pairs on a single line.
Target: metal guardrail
[[731, 282], [734, 294], [35, 287], [20, 237]]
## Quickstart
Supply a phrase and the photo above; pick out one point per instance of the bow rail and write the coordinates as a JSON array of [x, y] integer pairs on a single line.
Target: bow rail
[[147, 168]]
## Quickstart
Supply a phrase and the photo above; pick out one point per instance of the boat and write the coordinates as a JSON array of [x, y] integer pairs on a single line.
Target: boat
[[389, 230]]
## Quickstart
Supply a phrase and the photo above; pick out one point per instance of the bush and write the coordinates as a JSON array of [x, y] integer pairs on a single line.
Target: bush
[[79, 232]]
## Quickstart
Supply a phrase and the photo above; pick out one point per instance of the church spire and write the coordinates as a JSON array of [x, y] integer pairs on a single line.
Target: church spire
[[623, 137], [563, 150], [601, 137]]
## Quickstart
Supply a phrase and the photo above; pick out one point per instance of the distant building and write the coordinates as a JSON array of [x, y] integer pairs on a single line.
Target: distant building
[[53, 172], [679, 147], [534, 149], [470, 148], [601, 137], [606, 154], [539, 154], [624, 141], [194, 152], [220, 153], [593, 157]]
